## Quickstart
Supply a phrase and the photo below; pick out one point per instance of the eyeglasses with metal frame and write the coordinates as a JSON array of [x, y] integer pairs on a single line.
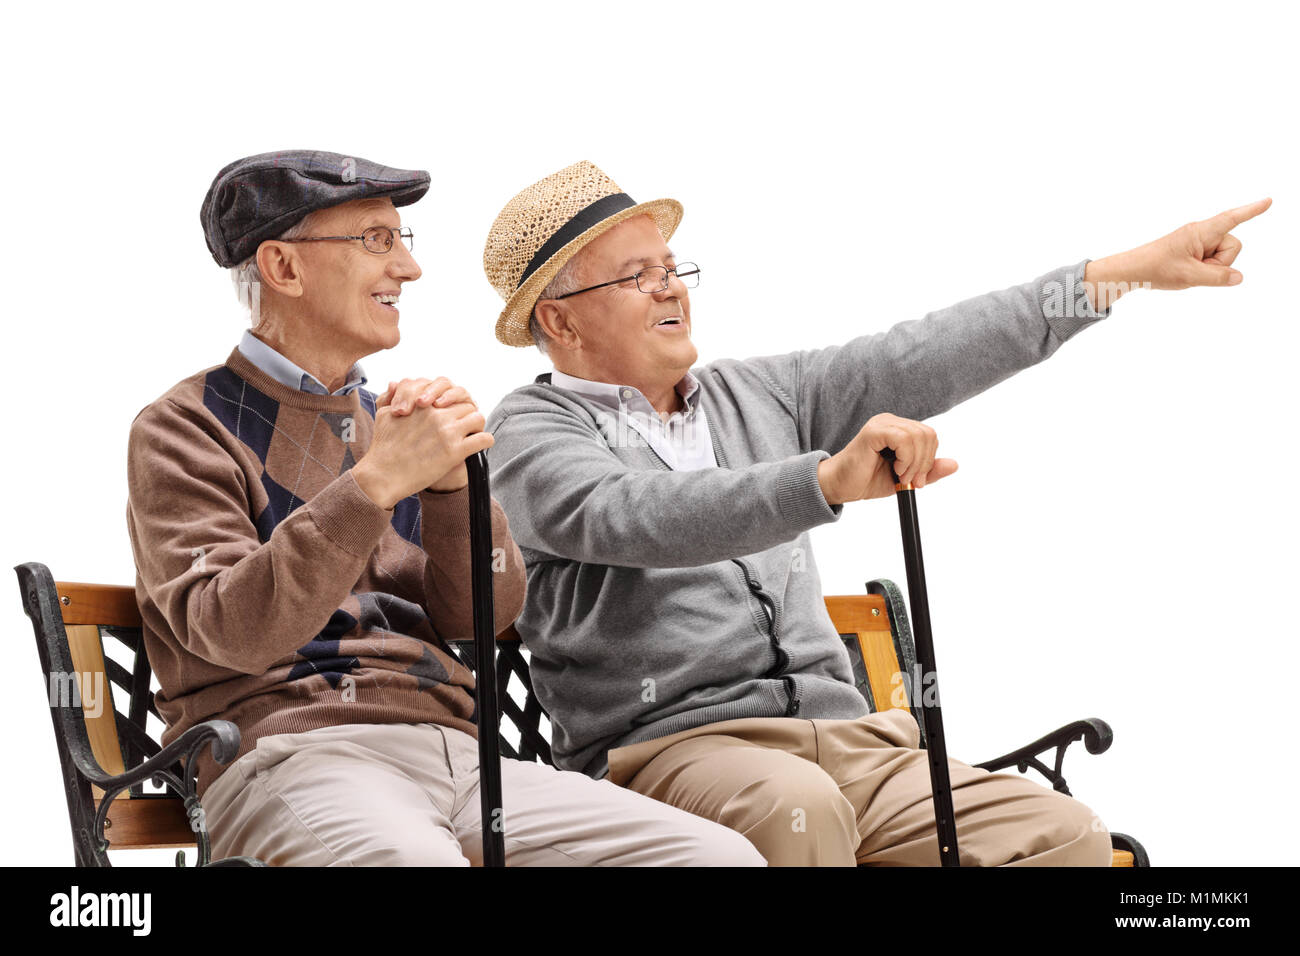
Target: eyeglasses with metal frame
[[376, 239], [651, 279]]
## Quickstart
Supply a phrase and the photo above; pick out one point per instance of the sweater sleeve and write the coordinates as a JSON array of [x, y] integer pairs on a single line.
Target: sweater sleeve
[[448, 583], [571, 497], [923, 367], [229, 598]]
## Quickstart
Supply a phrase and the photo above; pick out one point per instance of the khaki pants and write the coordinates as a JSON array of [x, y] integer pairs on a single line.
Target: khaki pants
[[840, 792], [407, 794]]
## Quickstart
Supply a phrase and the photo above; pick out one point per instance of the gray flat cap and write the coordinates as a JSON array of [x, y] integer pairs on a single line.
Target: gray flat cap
[[259, 197]]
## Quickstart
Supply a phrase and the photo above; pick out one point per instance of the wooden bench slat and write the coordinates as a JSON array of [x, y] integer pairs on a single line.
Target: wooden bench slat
[[881, 662], [107, 605], [88, 663], [855, 613], [148, 823]]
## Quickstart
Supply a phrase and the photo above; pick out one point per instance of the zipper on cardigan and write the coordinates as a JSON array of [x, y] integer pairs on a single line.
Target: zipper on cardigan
[[769, 606], [792, 705], [769, 610]]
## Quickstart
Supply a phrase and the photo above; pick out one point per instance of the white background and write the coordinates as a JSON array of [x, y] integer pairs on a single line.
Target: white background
[[1119, 539]]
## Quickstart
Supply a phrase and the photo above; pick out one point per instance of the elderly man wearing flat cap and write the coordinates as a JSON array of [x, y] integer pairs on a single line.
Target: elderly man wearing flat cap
[[678, 636], [302, 549]]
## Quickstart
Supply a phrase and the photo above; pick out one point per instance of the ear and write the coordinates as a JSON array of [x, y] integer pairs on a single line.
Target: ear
[[556, 321], [280, 268]]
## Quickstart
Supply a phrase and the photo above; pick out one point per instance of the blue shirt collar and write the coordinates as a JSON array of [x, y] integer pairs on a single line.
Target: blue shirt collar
[[287, 373]]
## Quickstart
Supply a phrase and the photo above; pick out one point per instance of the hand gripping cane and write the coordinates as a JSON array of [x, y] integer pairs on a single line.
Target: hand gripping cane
[[931, 716], [485, 646]]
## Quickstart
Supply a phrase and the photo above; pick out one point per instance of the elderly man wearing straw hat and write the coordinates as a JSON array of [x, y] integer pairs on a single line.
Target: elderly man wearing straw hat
[[678, 637], [302, 548]]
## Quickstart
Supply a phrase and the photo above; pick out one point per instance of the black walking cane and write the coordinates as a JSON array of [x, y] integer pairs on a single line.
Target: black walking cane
[[485, 646], [931, 716]]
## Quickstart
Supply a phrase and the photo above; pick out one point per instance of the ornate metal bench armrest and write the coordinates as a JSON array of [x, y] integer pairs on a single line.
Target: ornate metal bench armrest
[[222, 735], [1095, 733], [225, 744]]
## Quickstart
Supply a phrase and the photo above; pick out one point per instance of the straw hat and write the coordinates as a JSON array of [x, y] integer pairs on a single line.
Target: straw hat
[[544, 226]]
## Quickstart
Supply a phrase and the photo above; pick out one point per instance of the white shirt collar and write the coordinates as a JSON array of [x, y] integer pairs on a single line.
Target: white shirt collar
[[615, 396], [287, 373]]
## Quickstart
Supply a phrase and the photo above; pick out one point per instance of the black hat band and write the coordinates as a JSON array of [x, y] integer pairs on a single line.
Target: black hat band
[[583, 220]]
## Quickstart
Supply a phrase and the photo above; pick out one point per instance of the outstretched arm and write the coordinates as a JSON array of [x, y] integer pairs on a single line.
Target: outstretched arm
[[923, 367]]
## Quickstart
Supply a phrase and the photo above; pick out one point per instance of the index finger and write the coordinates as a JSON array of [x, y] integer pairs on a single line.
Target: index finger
[[1235, 217]]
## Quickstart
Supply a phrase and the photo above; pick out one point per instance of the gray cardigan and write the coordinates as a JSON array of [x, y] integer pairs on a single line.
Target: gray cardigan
[[660, 601]]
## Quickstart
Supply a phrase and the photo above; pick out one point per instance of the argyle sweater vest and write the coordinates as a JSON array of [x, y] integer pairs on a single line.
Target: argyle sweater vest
[[274, 593]]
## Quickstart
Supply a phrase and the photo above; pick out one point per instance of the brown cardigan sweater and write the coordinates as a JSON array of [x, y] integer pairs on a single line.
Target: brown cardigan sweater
[[274, 592]]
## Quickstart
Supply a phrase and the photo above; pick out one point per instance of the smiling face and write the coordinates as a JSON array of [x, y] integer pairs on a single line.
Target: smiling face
[[619, 334], [337, 293]]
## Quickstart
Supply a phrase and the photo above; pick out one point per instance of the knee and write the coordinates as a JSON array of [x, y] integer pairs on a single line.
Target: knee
[[801, 819], [1077, 835], [1095, 848], [717, 845], [665, 835]]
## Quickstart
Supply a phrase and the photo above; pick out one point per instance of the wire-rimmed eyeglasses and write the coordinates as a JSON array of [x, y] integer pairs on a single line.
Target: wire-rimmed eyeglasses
[[376, 239], [652, 279]]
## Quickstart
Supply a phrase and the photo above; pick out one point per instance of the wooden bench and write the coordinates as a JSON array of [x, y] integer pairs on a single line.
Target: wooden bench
[[106, 752]]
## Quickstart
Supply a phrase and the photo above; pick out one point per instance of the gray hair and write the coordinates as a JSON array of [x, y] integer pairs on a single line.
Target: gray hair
[[248, 278], [568, 279]]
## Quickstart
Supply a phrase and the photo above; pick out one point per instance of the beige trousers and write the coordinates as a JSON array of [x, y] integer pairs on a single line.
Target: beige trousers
[[840, 792], [407, 794]]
